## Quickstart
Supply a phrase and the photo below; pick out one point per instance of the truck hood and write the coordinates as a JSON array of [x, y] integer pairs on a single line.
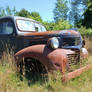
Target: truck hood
[[53, 33], [44, 36]]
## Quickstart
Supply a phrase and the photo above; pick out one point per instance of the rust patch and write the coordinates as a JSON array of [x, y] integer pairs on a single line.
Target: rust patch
[[51, 59], [41, 33], [63, 32]]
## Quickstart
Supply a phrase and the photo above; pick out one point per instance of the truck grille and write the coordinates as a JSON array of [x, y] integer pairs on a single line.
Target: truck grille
[[71, 41], [73, 59]]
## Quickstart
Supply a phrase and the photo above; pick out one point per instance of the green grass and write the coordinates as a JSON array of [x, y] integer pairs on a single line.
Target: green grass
[[10, 80]]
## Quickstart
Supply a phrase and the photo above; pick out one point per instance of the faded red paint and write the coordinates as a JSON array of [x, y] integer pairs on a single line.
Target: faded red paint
[[51, 59], [41, 33]]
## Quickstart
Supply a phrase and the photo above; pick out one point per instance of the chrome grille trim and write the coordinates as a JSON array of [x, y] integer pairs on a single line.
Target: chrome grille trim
[[74, 58]]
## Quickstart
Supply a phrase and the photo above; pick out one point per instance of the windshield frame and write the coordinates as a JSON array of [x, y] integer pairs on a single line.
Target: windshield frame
[[33, 25]]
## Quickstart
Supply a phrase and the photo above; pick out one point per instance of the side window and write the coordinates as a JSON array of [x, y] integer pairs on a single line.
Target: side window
[[6, 27], [37, 27], [43, 28]]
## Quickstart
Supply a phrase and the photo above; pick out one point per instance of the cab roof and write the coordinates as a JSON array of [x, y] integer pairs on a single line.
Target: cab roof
[[17, 17]]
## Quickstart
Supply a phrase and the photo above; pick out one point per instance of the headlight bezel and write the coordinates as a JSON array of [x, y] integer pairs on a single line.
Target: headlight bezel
[[53, 43]]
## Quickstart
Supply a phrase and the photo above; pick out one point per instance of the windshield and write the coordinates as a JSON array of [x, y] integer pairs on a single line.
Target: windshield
[[27, 25]]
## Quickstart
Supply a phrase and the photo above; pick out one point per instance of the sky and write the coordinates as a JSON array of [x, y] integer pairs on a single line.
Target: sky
[[43, 7]]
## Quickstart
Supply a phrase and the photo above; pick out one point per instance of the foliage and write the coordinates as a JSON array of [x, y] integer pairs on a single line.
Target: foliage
[[84, 31], [71, 10], [36, 16], [2, 12], [76, 9], [60, 11], [24, 13], [7, 11], [49, 25], [59, 25], [87, 21]]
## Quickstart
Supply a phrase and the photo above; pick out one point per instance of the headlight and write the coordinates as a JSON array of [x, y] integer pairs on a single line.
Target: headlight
[[54, 43]]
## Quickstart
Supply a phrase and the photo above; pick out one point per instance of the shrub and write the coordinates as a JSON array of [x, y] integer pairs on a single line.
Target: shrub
[[59, 25]]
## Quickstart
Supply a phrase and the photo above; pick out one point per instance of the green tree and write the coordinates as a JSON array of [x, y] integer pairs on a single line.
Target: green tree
[[33, 15], [36, 16], [76, 9], [14, 11], [60, 11], [49, 25], [24, 13], [62, 24], [87, 21], [59, 25], [7, 11], [2, 12]]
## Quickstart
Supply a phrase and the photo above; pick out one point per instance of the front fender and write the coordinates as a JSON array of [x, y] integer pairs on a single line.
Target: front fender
[[51, 59]]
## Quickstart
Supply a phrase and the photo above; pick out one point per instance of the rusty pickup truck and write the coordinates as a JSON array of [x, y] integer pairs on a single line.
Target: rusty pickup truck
[[55, 50]]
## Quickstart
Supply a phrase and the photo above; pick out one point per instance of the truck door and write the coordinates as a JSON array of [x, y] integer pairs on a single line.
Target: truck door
[[6, 35]]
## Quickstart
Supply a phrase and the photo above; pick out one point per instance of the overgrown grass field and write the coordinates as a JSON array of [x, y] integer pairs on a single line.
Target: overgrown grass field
[[10, 80]]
